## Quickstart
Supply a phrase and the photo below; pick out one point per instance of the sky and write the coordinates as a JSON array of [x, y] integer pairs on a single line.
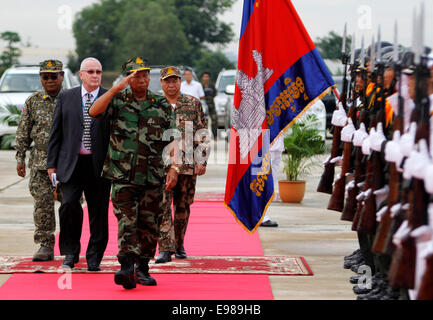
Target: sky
[[46, 24]]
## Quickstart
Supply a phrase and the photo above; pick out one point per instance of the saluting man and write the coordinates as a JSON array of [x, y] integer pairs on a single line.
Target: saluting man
[[138, 120]]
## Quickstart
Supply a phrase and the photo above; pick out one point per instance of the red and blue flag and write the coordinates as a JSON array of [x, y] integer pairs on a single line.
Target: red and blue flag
[[280, 75]]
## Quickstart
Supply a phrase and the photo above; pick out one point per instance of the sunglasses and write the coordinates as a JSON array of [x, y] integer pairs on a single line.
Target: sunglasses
[[93, 71], [53, 76]]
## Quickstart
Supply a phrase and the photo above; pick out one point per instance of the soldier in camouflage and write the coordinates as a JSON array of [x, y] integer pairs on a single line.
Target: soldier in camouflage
[[34, 126], [192, 124], [134, 163], [209, 95]]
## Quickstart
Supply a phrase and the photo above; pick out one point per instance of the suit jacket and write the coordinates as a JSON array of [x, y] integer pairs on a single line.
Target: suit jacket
[[67, 133]]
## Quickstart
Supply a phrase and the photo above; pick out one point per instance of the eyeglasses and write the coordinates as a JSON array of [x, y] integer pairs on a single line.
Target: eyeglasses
[[98, 72], [53, 76]]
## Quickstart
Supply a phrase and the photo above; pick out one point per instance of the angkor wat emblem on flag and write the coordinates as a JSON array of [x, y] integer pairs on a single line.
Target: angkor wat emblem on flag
[[249, 117]]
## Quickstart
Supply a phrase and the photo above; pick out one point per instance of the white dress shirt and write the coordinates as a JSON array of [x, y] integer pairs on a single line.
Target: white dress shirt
[[194, 89]]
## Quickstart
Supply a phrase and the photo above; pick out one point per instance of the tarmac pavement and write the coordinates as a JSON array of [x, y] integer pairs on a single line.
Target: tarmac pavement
[[306, 229]]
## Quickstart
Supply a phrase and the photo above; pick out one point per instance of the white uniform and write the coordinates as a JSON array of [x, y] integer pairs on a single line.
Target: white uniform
[[276, 151]]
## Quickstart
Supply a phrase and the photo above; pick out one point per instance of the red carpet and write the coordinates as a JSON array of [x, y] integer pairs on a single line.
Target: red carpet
[[270, 265], [212, 231]]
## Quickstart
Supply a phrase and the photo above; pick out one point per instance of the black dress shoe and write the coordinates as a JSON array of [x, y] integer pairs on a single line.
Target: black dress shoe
[[354, 279], [69, 261], [180, 253], [94, 267], [163, 257], [353, 254], [269, 223]]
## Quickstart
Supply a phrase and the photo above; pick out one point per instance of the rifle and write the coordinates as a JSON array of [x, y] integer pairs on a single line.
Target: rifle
[[327, 178], [375, 178], [425, 291], [359, 157], [379, 244], [405, 257], [336, 202], [350, 205]]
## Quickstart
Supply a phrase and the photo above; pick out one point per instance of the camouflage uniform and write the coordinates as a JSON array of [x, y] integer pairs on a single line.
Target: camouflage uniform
[[189, 117], [210, 93], [34, 126], [134, 163]]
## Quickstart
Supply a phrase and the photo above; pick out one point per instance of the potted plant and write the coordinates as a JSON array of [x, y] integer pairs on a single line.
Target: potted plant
[[303, 142]]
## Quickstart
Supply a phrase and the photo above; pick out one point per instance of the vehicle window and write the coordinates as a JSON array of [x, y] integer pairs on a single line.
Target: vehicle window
[[225, 81], [154, 83], [21, 83]]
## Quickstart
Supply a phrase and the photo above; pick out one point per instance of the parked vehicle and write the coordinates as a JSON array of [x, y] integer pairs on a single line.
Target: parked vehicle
[[224, 101], [18, 83]]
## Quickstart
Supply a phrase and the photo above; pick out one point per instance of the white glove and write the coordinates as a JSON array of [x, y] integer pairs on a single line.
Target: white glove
[[378, 138], [367, 142], [361, 196], [395, 209], [422, 234], [407, 140], [381, 213], [348, 131], [381, 194], [339, 117], [421, 160], [392, 150], [382, 191], [350, 185], [409, 165], [400, 233], [360, 135], [428, 179], [337, 160]]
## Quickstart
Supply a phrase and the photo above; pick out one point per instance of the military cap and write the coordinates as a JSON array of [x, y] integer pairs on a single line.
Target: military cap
[[170, 72], [135, 64], [50, 66]]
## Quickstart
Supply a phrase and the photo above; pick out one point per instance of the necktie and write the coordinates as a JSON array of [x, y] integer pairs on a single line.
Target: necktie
[[87, 122]]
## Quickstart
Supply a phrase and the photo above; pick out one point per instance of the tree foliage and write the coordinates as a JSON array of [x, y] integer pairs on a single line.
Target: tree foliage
[[11, 53], [330, 45], [151, 29], [164, 32], [212, 62]]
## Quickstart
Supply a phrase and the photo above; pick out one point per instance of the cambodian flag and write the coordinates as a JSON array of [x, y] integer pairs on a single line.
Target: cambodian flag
[[280, 74]]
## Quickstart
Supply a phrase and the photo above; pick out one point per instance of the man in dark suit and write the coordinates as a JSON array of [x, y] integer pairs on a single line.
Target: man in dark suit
[[76, 151]]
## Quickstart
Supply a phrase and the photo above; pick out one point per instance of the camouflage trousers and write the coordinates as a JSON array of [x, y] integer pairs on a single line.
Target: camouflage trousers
[[137, 209], [44, 217], [214, 119], [172, 231]]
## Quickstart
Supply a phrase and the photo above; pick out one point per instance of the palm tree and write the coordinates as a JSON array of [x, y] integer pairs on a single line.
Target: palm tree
[[10, 115]]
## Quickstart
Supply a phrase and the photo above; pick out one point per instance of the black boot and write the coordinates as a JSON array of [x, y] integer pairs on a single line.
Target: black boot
[[163, 257], [142, 273], [126, 276]]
